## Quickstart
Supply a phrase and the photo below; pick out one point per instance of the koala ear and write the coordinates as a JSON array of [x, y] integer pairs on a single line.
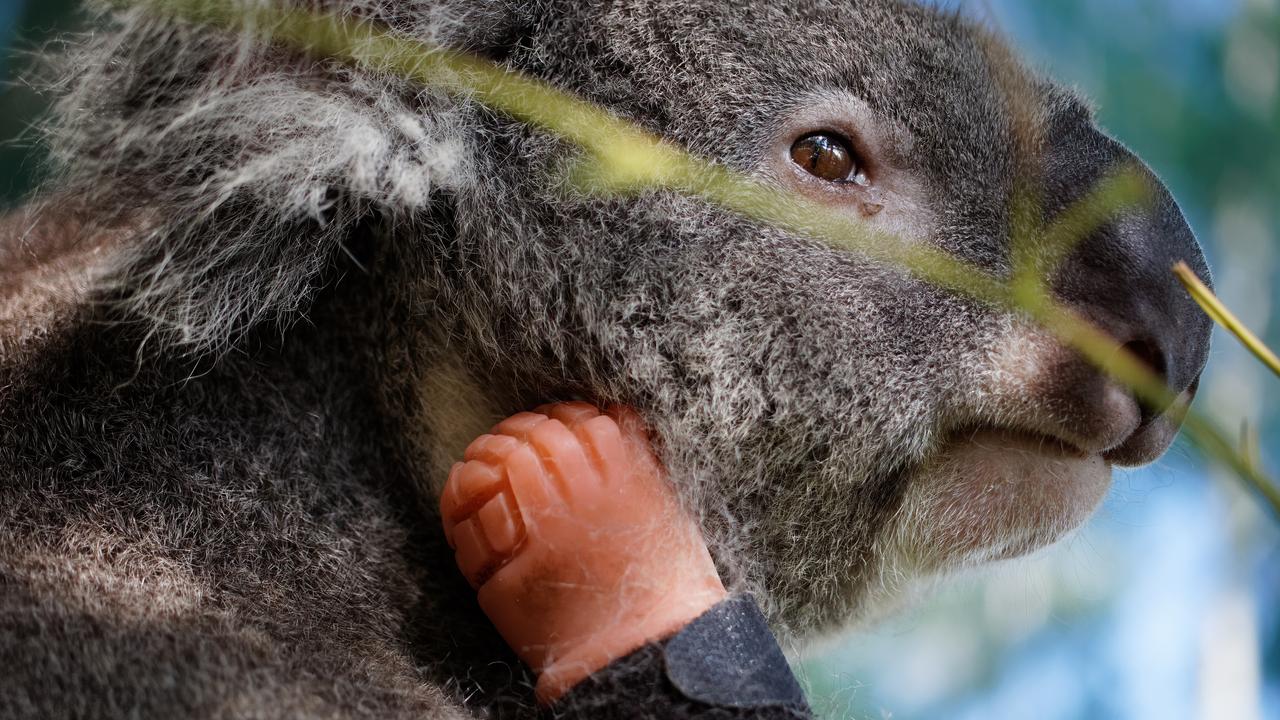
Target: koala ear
[[251, 167]]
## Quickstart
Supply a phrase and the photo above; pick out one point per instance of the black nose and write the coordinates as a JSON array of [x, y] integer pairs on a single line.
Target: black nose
[[1121, 275]]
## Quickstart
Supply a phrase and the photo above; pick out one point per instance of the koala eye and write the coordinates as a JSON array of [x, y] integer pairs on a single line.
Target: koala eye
[[828, 156]]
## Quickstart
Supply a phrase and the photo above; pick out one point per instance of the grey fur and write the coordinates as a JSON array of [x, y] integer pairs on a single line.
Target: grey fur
[[231, 382]]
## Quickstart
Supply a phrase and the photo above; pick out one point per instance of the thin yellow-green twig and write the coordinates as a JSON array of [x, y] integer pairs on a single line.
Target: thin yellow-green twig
[[1214, 308]]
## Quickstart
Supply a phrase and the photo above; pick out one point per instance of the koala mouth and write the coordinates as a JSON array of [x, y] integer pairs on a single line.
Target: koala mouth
[[1034, 470], [991, 493], [1051, 446]]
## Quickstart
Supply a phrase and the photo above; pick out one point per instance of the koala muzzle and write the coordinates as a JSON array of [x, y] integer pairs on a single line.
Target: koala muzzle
[[1121, 278]]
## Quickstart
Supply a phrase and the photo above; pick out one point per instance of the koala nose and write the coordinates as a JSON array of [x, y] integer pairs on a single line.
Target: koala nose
[[1121, 276]]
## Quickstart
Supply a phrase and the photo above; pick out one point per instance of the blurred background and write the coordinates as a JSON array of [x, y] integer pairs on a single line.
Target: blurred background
[[1167, 605]]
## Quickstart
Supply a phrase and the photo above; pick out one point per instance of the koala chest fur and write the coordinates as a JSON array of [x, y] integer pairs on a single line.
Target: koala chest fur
[[266, 300]]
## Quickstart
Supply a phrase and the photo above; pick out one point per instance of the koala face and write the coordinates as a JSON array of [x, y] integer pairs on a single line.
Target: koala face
[[839, 425]]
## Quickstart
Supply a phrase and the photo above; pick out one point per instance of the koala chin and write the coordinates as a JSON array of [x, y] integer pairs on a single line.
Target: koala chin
[[1023, 470], [264, 300]]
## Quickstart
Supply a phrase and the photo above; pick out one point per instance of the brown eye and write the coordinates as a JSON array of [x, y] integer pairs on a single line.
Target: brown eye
[[826, 156]]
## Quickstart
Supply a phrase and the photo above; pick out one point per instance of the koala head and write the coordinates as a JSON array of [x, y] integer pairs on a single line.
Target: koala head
[[838, 424]]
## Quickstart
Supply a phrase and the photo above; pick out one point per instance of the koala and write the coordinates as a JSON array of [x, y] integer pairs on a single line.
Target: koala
[[264, 300]]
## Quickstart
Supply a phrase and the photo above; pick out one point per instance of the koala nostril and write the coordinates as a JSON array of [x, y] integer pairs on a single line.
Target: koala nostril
[[1150, 354]]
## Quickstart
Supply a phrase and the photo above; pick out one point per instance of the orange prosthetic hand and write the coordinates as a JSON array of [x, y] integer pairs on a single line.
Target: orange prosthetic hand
[[565, 523]]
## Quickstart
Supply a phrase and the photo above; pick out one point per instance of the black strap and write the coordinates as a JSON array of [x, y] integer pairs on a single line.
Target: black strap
[[725, 665]]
